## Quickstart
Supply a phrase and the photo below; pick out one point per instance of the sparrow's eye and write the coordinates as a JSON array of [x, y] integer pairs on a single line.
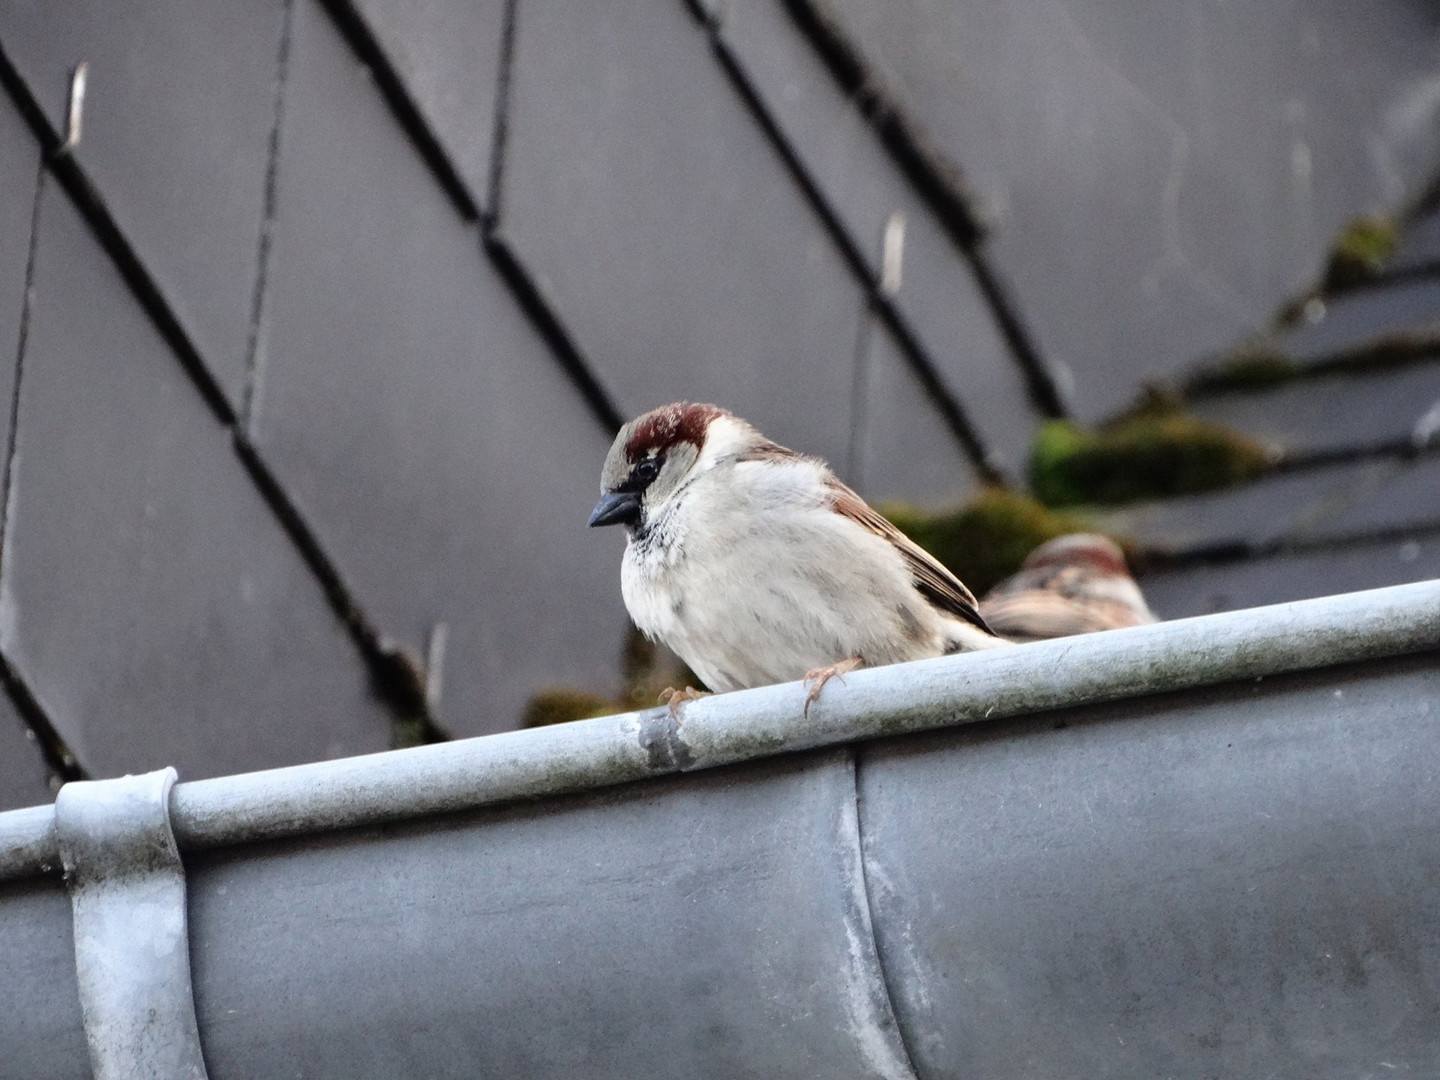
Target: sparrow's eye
[[648, 469]]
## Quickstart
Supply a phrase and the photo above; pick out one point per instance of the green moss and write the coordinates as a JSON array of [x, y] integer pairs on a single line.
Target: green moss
[[561, 704], [986, 540], [1361, 251], [1156, 452], [1255, 367]]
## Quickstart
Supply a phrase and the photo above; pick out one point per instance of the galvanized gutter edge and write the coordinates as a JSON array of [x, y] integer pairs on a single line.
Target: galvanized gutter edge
[[730, 728]]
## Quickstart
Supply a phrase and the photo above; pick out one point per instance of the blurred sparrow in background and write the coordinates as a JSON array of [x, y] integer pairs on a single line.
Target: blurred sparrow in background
[[1071, 585]]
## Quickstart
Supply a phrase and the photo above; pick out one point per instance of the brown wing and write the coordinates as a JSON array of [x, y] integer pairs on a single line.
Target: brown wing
[[936, 584], [1038, 615]]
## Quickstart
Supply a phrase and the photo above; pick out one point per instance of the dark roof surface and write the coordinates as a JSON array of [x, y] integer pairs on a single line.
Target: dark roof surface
[[322, 327]]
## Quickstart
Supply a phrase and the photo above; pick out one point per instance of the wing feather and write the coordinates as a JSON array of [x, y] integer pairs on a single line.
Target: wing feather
[[935, 582]]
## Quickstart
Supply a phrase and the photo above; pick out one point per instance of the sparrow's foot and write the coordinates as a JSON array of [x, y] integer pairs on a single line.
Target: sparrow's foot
[[818, 677], [673, 699]]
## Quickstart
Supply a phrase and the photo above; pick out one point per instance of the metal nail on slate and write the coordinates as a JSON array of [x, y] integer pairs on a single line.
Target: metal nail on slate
[[893, 254], [74, 117]]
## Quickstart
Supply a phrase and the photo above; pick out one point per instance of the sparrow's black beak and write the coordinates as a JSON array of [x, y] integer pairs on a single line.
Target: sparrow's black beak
[[616, 508]]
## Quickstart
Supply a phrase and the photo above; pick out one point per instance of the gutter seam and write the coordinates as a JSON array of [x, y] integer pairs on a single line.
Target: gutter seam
[[890, 1021]]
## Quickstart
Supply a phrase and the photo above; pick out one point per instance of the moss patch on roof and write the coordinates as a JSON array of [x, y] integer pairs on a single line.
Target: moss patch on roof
[[1158, 451], [561, 704], [1360, 252], [1260, 367], [986, 540], [1252, 367]]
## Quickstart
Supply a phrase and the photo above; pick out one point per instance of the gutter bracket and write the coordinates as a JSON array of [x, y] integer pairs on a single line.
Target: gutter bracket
[[132, 952]]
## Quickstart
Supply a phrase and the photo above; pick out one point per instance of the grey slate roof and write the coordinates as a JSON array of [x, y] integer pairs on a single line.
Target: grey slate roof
[[322, 328]]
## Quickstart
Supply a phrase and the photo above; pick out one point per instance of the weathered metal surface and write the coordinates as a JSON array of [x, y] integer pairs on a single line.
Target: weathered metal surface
[[714, 926], [41, 1033], [1208, 844], [729, 728], [132, 953], [1239, 881]]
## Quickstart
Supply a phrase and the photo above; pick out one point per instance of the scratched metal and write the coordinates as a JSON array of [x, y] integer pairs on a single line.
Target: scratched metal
[[710, 927], [1238, 881], [41, 1032], [1211, 841]]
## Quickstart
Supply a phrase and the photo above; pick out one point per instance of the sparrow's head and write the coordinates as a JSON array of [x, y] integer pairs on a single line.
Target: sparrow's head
[[1095, 553], [650, 459]]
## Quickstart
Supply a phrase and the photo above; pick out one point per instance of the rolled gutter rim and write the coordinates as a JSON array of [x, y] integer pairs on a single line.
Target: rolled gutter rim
[[726, 729]]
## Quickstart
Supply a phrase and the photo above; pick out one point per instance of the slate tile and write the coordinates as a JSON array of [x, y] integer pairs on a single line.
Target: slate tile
[[445, 460], [447, 53], [24, 776], [907, 453], [1355, 319], [1161, 179], [1201, 590], [150, 598], [937, 293], [1293, 505], [1333, 412], [1405, 495], [665, 228], [836, 142], [1419, 245], [178, 113], [19, 172]]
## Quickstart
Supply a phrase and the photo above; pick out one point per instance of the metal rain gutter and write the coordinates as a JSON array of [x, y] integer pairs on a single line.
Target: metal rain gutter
[[240, 829]]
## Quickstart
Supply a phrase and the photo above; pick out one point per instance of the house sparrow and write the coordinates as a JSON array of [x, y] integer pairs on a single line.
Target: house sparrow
[[1073, 584], [756, 565]]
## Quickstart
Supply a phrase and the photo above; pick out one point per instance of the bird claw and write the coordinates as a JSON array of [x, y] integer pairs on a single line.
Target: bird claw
[[672, 699], [816, 678]]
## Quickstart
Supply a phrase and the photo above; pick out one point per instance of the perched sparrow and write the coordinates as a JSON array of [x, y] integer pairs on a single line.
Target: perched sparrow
[[1072, 585], [756, 565]]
